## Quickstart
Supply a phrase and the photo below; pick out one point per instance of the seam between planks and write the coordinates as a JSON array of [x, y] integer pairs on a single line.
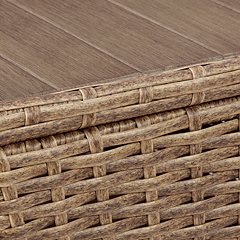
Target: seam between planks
[[75, 36], [28, 71], [162, 25], [226, 6]]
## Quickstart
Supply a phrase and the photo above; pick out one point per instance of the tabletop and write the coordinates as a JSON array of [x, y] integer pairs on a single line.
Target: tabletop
[[51, 45]]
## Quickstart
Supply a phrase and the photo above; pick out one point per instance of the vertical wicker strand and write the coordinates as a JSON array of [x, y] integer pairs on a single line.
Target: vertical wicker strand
[[195, 123], [58, 193], [32, 115], [88, 119], [10, 193], [96, 145], [145, 96], [198, 72]]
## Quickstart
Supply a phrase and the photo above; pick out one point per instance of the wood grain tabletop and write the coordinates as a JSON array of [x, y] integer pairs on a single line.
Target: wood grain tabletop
[[52, 45]]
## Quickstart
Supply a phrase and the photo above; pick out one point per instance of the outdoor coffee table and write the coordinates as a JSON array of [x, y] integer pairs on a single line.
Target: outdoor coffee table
[[120, 119]]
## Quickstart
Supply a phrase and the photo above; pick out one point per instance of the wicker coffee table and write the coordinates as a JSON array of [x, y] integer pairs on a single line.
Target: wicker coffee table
[[119, 119]]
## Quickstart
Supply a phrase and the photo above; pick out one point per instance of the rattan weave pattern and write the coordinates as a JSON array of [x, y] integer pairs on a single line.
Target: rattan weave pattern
[[136, 159], [133, 96]]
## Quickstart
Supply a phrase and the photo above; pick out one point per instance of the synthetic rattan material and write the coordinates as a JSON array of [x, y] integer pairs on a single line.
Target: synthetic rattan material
[[153, 156]]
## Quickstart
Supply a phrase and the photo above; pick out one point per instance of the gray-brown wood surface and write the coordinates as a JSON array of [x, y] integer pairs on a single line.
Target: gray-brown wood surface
[[49, 45]]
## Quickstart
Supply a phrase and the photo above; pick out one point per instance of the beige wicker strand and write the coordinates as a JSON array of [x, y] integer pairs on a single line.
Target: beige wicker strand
[[32, 115], [195, 123], [58, 193], [198, 72], [145, 96], [10, 193], [88, 119], [96, 145]]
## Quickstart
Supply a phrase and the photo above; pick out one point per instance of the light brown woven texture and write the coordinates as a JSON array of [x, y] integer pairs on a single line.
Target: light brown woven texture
[[154, 156]]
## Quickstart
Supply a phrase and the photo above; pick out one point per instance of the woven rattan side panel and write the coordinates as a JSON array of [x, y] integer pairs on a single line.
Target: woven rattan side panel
[[169, 175]]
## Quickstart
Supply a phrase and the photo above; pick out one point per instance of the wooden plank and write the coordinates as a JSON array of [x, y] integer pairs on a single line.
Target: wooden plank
[[60, 59], [135, 40], [232, 4], [16, 83], [202, 21]]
